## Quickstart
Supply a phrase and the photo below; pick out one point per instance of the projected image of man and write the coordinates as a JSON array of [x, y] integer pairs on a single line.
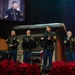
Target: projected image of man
[[14, 13]]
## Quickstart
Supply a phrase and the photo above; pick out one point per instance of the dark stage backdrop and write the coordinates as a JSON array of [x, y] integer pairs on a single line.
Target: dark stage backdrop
[[51, 11], [45, 11]]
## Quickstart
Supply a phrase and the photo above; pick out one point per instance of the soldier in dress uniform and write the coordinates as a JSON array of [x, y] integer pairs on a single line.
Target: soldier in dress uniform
[[12, 43], [27, 52], [14, 13], [48, 39], [69, 43]]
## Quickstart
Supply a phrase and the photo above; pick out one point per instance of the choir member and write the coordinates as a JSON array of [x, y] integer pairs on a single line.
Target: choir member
[[69, 47], [48, 45], [12, 43], [28, 51]]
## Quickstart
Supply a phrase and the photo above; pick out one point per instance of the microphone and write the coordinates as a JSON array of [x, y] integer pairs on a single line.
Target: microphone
[[18, 9], [6, 16], [69, 37]]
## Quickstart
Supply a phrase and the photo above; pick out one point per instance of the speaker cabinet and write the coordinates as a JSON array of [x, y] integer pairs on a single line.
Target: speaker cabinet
[[3, 55]]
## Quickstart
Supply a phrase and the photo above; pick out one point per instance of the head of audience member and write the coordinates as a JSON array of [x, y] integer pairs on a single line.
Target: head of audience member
[[69, 33], [13, 33], [28, 32]]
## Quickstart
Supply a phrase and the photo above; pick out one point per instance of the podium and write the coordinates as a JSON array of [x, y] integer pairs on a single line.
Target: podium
[[3, 50], [38, 30], [3, 45]]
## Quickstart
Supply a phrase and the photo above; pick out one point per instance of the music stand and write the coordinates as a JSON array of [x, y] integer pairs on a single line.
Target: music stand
[[29, 46]]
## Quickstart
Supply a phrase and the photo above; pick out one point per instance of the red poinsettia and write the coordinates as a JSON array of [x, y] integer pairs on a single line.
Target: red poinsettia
[[16, 68], [62, 68]]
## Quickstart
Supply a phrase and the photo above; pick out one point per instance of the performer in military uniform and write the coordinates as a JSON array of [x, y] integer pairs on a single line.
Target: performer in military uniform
[[48, 39], [27, 51], [14, 13], [69, 47], [12, 43]]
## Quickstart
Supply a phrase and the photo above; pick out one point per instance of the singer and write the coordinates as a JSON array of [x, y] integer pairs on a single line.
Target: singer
[[48, 39], [69, 47], [27, 51], [14, 13], [12, 43]]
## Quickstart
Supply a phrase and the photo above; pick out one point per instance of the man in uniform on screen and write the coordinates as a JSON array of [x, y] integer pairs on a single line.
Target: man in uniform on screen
[[14, 13]]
